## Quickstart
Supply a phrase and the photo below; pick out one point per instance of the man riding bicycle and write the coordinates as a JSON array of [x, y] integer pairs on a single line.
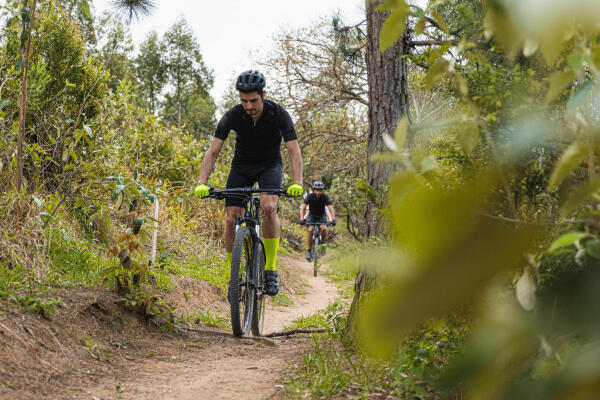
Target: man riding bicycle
[[320, 211], [260, 125]]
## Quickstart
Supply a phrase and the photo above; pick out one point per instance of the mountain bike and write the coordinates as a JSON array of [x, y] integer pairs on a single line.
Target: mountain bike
[[317, 251], [247, 283]]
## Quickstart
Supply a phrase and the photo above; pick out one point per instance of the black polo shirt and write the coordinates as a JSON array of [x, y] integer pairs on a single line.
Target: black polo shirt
[[317, 204], [258, 143]]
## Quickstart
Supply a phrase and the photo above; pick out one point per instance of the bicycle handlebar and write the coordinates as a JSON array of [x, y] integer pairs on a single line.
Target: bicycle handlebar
[[329, 223], [220, 194]]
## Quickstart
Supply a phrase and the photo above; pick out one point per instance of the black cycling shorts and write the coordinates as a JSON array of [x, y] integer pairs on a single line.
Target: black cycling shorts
[[313, 219], [244, 175]]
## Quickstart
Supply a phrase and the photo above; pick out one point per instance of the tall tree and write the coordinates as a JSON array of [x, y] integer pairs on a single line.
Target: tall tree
[[150, 70], [116, 45], [81, 11], [388, 103], [184, 65], [28, 19], [134, 9]]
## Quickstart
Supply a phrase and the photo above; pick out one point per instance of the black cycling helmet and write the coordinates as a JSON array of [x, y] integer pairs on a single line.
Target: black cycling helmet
[[250, 81], [318, 185]]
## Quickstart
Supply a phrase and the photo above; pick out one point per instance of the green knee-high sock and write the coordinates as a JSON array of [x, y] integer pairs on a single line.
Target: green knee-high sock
[[271, 245]]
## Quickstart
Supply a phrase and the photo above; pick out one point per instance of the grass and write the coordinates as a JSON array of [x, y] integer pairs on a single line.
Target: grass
[[207, 317], [74, 262], [12, 279], [331, 370], [282, 300], [213, 270]]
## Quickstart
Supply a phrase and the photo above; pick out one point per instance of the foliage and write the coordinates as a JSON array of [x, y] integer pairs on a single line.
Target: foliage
[[47, 308], [331, 369], [94, 163], [462, 239], [150, 70], [115, 47], [135, 9], [328, 318], [208, 318], [60, 99], [282, 300], [191, 81], [343, 265], [322, 83]]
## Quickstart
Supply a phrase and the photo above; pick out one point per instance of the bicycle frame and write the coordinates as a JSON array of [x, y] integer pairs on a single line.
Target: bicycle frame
[[250, 220]]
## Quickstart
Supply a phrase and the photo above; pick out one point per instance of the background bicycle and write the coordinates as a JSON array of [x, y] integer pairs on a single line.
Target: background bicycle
[[318, 247]]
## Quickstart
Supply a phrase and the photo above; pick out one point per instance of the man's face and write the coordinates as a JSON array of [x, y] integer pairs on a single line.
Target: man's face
[[318, 192], [252, 102]]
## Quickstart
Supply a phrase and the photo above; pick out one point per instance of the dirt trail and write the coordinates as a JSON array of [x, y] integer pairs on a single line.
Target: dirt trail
[[223, 367]]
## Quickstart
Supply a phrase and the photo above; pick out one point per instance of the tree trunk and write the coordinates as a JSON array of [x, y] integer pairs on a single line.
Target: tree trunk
[[179, 106], [388, 103], [23, 100], [366, 281]]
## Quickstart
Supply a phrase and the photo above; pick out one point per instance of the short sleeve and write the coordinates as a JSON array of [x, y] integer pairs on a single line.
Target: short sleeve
[[327, 200], [307, 199], [224, 126], [287, 127]]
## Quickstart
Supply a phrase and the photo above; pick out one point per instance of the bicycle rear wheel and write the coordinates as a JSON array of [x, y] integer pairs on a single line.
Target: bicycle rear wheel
[[241, 292], [316, 253], [258, 313]]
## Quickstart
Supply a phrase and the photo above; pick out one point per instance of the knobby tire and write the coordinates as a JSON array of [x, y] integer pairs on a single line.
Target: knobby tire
[[241, 294], [316, 253], [258, 312]]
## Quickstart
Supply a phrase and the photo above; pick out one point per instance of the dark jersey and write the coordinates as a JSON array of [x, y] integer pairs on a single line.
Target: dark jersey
[[260, 142], [317, 204]]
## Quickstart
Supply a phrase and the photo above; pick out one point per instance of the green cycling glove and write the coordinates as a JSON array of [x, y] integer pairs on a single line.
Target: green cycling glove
[[295, 190], [201, 191]]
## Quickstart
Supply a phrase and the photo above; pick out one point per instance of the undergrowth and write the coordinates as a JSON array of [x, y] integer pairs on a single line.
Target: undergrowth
[[333, 369]]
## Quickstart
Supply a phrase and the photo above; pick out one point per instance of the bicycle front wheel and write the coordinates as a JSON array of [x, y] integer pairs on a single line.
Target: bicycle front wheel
[[258, 313], [316, 253], [241, 290]]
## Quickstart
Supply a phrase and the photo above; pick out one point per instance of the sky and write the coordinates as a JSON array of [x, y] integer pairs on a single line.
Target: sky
[[232, 32]]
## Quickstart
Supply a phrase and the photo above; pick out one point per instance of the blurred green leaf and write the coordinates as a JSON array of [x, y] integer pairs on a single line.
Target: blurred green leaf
[[393, 27], [420, 27], [436, 73], [592, 247], [468, 136], [12, 21], [400, 134], [455, 275], [440, 21], [118, 190], [137, 225], [37, 201], [25, 15], [570, 159], [85, 6], [559, 81], [578, 197], [576, 61], [567, 239], [89, 131], [579, 96]]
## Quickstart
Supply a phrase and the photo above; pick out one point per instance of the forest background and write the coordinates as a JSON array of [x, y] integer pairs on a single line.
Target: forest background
[[458, 140]]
